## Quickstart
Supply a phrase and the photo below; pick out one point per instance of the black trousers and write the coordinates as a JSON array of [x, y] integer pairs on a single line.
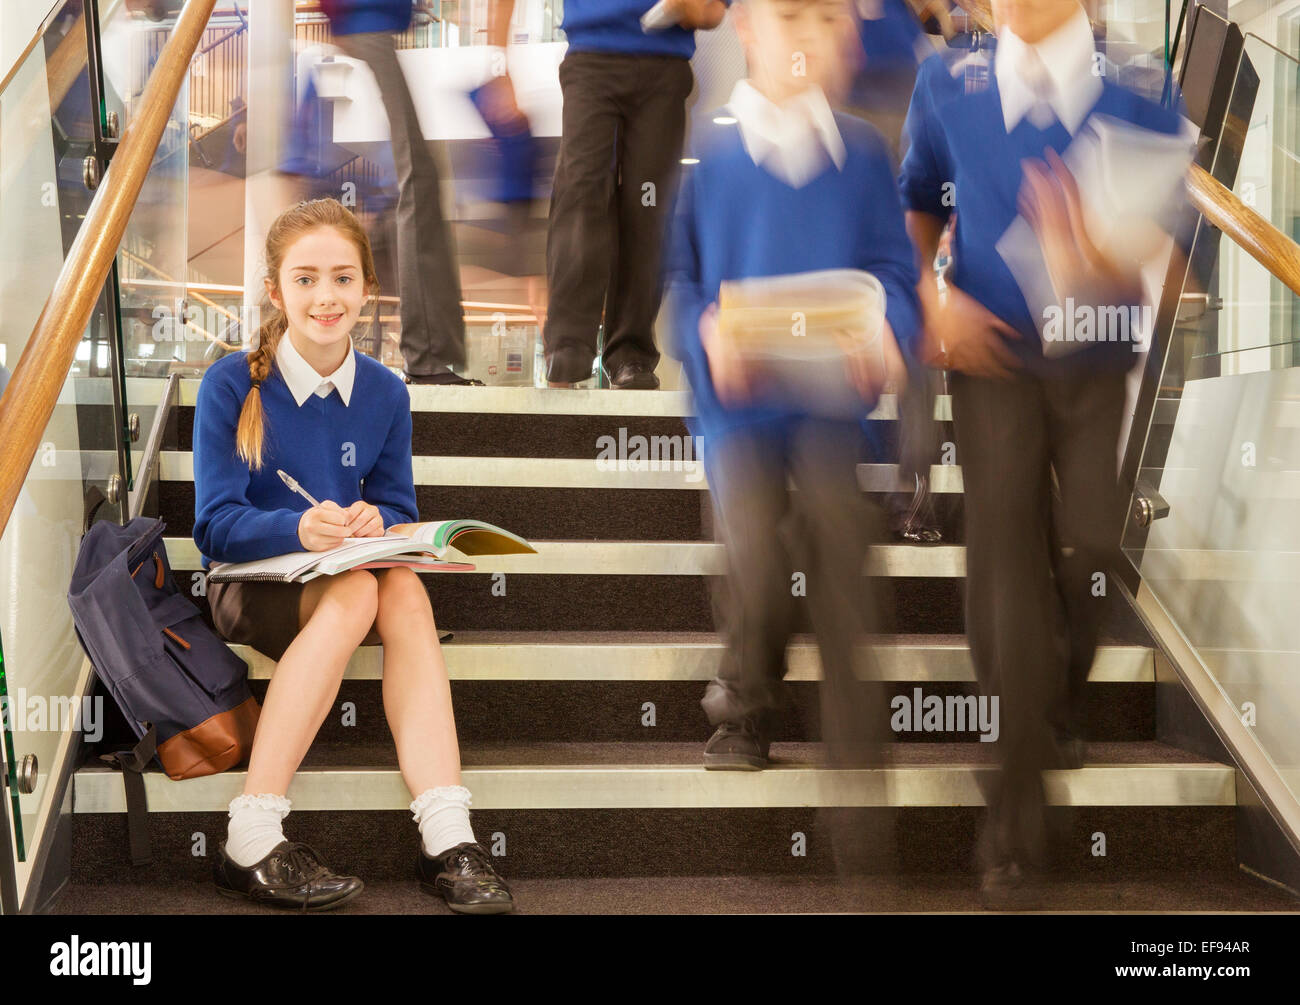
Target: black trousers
[[433, 329], [615, 180], [821, 530], [1037, 569]]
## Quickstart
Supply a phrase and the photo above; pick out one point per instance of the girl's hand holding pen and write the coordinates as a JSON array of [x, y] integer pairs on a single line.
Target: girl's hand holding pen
[[323, 527], [364, 520]]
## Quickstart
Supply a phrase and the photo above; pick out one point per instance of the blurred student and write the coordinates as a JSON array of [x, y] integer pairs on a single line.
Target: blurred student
[[305, 401], [892, 46], [987, 142], [624, 91], [428, 277], [784, 185]]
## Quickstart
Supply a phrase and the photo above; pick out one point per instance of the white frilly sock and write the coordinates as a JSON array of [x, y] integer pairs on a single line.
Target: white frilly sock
[[442, 814], [254, 829]]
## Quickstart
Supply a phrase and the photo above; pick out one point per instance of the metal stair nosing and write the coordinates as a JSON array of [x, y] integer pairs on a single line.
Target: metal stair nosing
[[918, 662], [677, 786], [507, 400], [655, 472]]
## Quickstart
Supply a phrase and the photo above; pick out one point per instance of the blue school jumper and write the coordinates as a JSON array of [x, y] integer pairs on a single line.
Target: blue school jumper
[[737, 221], [615, 26], [337, 452], [959, 155], [893, 41], [352, 17]]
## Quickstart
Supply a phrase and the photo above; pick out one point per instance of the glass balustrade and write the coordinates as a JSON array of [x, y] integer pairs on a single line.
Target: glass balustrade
[[1223, 450], [47, 170]]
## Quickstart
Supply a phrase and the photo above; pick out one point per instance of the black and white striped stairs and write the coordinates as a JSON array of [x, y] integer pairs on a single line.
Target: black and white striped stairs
[[577, 700]]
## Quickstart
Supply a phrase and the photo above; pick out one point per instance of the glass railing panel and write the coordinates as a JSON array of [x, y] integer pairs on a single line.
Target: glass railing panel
[[1141, 22], [46, 134], [1221, 462], [320, 151], [1260, 322], [161, 326]]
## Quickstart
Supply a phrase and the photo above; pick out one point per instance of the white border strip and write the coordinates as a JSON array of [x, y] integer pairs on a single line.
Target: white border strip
[[146, 391], [582, 473], [632, 786], [695, 661]]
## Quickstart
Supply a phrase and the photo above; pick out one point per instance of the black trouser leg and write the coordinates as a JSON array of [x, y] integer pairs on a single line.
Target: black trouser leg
[[747, 478], [1085, 412], [580, 229], [912, 507], [1012, 608], [839, 525], [433, 327], [650, 151]]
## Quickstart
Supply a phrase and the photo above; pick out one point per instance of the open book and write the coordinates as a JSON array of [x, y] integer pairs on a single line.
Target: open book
[[421, 546]]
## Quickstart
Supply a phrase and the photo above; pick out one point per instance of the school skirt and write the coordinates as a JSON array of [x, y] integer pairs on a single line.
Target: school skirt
[[262, 615]]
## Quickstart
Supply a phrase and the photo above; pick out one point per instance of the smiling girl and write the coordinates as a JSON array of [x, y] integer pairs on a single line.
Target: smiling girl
[[305, 401]]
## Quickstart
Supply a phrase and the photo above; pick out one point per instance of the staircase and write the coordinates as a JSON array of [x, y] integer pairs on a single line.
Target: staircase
[[577, 699]]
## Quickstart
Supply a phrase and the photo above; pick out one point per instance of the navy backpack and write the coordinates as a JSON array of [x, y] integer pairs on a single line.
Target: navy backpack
[[183, 691]]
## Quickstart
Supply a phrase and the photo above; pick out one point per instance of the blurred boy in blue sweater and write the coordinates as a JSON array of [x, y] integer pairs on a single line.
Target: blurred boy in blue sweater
[[1038, 424], [784, 185]]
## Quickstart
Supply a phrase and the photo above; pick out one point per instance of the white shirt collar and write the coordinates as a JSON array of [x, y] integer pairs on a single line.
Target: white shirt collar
[[791, 140], [302, 378], [1067, 55]]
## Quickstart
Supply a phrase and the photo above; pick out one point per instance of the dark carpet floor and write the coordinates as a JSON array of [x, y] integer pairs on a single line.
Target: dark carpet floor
[[1189, 892]]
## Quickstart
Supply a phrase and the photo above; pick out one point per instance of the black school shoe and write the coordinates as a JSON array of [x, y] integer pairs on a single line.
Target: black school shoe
[[736, 746], [463, 876], [913, 518], [291, 876], [445, 377], [1011, 886], [633, 377]]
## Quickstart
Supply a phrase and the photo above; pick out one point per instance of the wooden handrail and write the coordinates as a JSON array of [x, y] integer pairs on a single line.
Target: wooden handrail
[[47, 358], [1256, 236], [979, 11], [1215, 201]]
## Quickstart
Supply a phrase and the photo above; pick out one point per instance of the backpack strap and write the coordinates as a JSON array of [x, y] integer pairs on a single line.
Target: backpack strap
[[132, 764]]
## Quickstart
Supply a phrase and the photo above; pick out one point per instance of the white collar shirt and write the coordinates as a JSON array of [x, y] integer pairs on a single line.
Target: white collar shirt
[[792, 141], [304, 380], [1055, 78]]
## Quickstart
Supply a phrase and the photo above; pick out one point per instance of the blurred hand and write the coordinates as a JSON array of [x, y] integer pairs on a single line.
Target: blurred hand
[[730, 377], [500, 107], [873, 369], [364, 520], [240, 138], [1050, 203], [698, 14], [964, 335], [323, 527]]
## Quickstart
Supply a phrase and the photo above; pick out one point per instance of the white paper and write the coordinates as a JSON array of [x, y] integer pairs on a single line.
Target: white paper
[[658, 18], [1126, 176]]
